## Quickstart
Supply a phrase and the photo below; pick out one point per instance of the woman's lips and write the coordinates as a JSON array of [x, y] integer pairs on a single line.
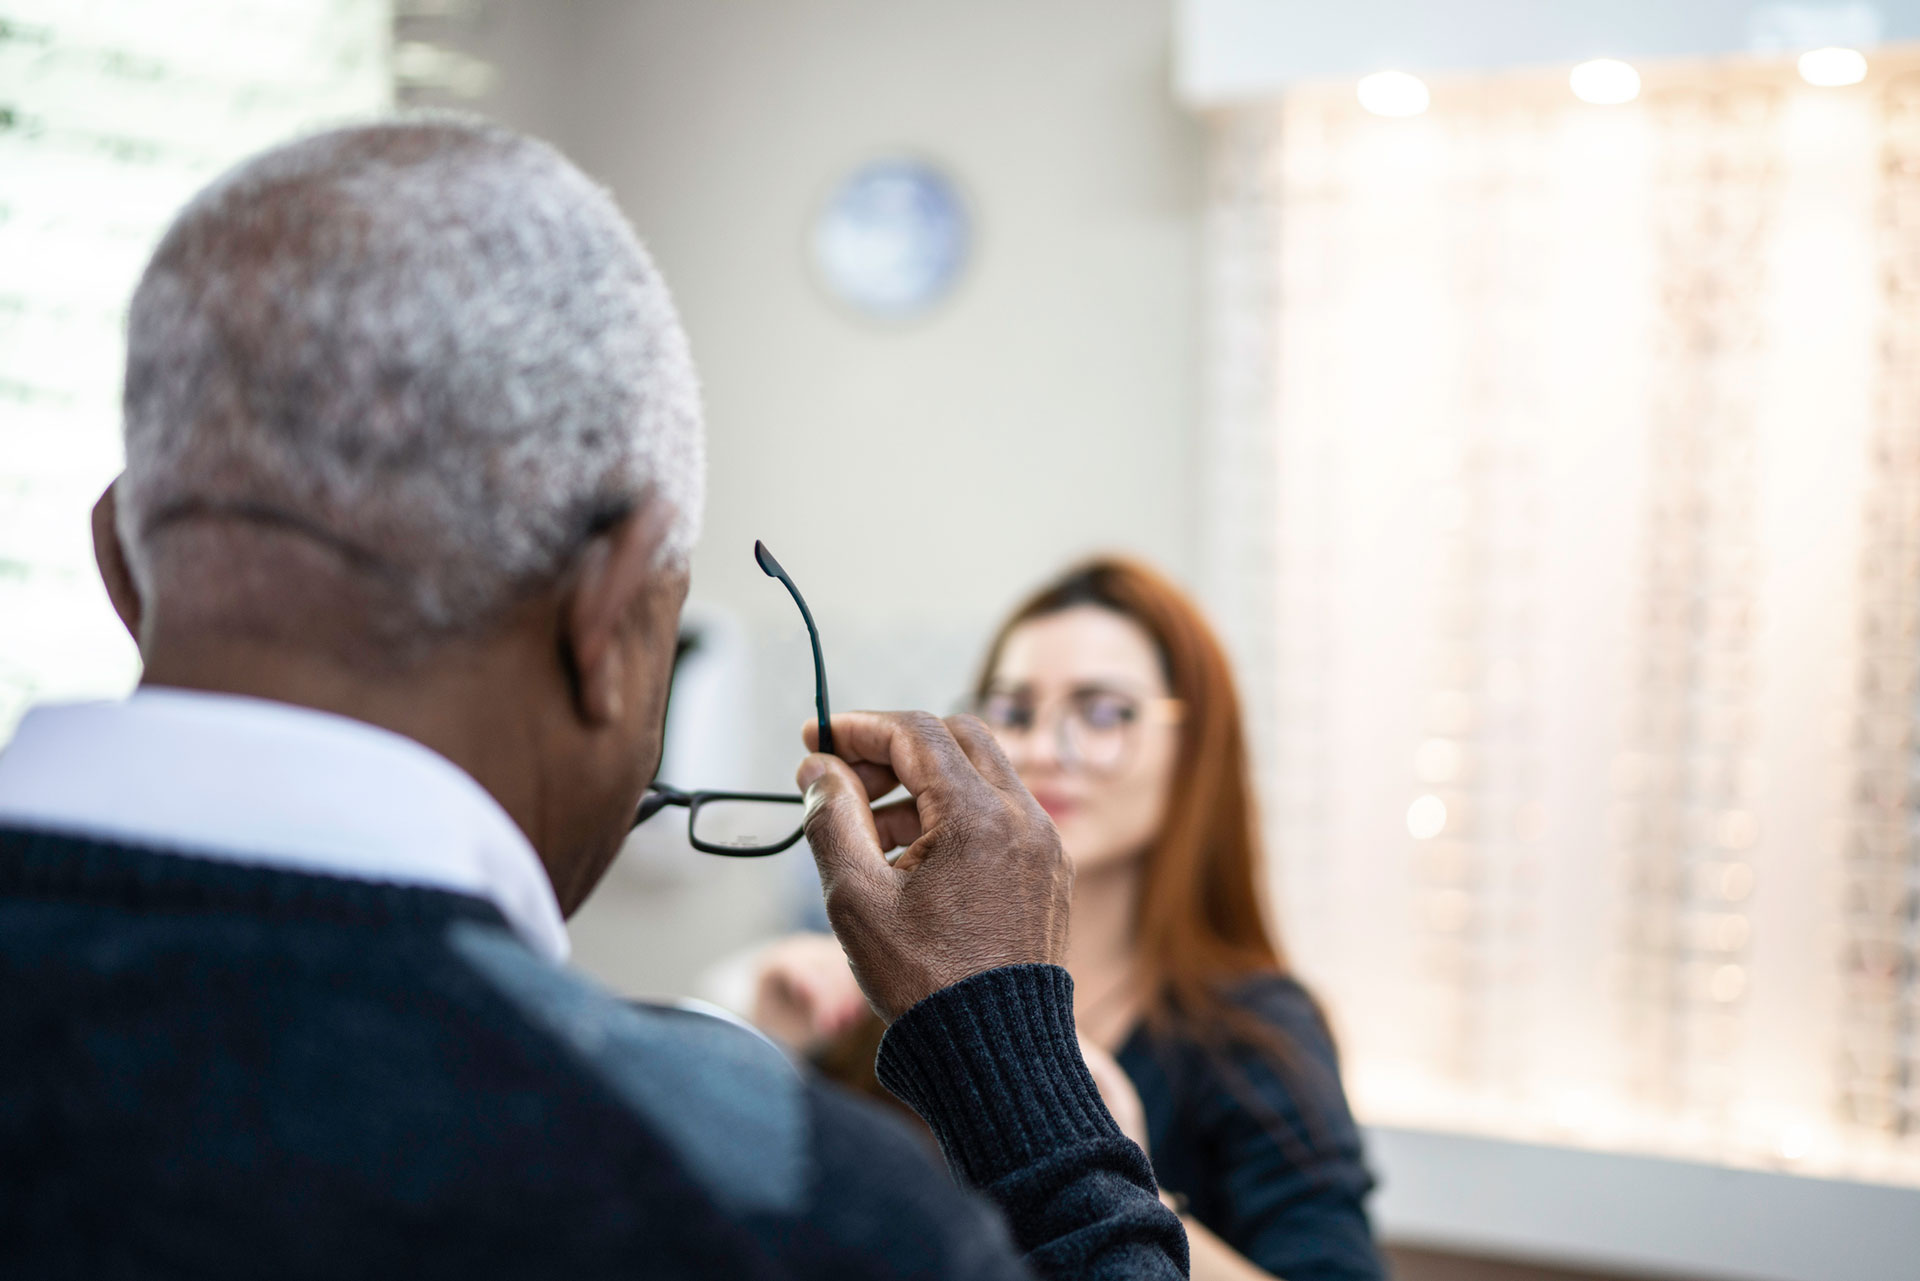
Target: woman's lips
[[1056, 805]]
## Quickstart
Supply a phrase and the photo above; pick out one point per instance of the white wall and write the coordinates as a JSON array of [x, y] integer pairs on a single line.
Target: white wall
[[914, 480], [1047, 410]]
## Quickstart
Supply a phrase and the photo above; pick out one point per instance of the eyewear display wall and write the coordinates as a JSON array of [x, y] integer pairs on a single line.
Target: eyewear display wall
[[1565, 523]]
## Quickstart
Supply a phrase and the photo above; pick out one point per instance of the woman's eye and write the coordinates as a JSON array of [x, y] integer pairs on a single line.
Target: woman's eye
[[1107, 711], [1004, 713]]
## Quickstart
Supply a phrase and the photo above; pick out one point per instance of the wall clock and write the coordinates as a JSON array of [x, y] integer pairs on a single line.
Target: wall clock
[[892, 239]]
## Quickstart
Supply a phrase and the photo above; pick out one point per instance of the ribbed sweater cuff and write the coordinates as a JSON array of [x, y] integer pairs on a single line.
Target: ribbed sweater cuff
[[993, 1066]]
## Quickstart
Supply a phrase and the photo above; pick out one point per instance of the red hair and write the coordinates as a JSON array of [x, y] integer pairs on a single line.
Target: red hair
[[1201, 927]]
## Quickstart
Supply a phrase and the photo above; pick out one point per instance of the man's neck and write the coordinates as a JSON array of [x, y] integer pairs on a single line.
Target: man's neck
[[263, 782], [451, 707]]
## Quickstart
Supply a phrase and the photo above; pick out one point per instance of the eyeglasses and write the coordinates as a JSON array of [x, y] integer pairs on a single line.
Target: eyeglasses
[[749, 824], [1096, 729]]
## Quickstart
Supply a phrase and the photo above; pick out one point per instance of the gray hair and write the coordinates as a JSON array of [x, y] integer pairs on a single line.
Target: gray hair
[[430, 344]]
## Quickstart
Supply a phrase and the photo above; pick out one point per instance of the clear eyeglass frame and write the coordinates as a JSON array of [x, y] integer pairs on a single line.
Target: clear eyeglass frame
[[1079, 745]]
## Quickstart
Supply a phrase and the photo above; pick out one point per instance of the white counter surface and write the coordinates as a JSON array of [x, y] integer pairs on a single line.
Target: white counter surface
[[1637, 1215]]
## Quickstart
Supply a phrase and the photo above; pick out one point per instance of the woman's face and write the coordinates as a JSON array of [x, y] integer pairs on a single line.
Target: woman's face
[[1079, 704]]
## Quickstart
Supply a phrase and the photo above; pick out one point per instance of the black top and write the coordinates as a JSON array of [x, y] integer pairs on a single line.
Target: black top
[[213, 1070], [1268, 1159]]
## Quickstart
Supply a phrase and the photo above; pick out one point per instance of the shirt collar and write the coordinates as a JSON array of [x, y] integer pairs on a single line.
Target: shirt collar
[[275, 785]]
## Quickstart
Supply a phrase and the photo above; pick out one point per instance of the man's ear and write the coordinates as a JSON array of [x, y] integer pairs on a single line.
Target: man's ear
[[615, 573], [111, 557]]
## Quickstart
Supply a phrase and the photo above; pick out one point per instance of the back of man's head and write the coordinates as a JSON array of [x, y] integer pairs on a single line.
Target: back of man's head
[[400, 373]]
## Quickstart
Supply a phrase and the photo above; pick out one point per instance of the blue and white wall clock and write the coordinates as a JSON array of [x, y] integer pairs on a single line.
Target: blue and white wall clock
[[892, 239]]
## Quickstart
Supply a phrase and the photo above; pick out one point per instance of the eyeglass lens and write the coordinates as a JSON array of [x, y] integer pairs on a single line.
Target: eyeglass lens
[[1093, 729], [744, 823]]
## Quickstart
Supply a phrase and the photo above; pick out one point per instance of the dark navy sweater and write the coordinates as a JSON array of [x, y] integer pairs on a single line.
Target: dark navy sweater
[[212, 1070], [1265, 1156]]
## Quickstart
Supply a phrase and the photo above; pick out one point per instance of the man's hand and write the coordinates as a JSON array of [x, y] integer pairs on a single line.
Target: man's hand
[[981, 881]]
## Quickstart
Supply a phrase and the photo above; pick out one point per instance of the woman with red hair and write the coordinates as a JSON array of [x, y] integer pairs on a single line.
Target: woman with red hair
[[1114, 700]]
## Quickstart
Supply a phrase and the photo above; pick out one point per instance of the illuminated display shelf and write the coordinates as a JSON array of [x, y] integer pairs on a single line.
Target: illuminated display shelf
[[1563, 483]]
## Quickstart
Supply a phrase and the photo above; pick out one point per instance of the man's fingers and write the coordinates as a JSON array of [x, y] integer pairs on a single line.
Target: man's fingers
[[978, 742], [877, 779], [917, 747], [840, 826], [898, 824]]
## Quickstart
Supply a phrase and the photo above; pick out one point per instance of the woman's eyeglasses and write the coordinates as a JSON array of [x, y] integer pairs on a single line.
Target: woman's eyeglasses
[[1096, 729], [749, 824]]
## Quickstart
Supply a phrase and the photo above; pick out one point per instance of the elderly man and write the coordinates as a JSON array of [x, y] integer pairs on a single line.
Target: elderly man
[[414, 460]]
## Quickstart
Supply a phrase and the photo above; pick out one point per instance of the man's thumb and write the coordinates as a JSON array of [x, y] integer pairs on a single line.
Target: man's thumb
[[839, 822]]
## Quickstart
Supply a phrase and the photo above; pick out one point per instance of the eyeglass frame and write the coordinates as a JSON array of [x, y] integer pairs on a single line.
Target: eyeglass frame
[[1155, 709], [660, 796]]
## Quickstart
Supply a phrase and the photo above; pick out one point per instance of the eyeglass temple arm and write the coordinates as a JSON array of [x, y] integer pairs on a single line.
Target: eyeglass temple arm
[[772, 569], [656, 799]]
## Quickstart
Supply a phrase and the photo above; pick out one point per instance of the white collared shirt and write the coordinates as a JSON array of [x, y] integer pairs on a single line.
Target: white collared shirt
[[274, 785]]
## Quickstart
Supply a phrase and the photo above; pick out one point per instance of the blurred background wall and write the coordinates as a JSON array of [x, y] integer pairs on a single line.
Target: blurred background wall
[[1068, 354]]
